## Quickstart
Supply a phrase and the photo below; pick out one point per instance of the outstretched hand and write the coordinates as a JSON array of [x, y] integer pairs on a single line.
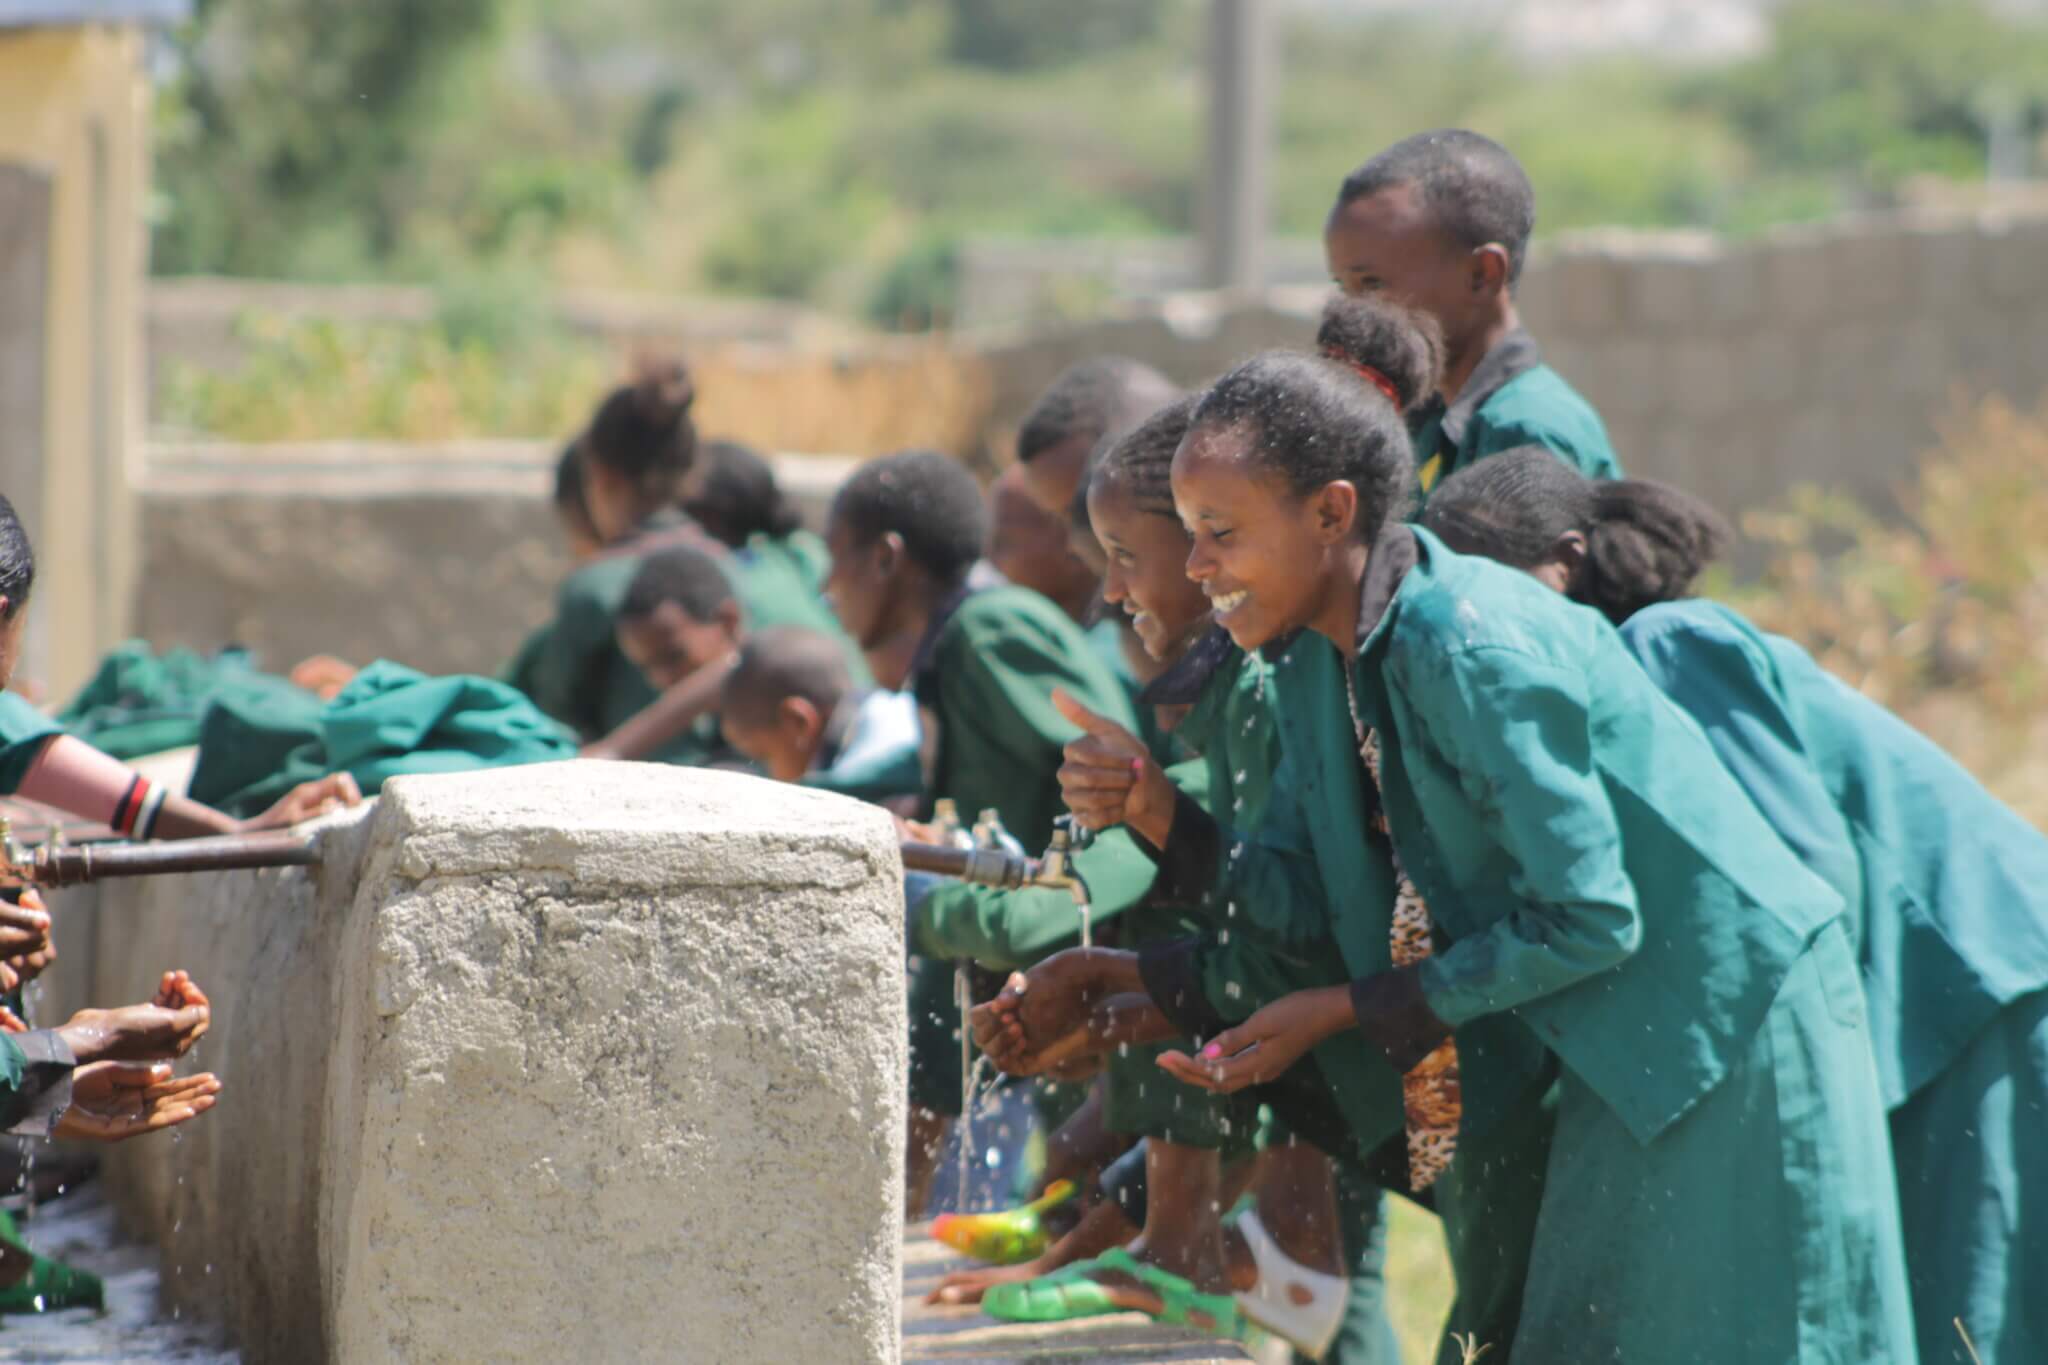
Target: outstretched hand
[[1263, 1047], [24, 928], [308, 801], [1110, 778], [114, 1101], [163, 1029]]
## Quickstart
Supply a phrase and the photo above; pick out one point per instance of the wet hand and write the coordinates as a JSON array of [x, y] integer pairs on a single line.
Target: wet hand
[[167, 1028], [1109, 777], [308, 801], [1263, 1047], [113, 1101], [24, 928]]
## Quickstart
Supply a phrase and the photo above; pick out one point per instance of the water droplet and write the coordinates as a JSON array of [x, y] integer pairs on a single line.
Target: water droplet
[[1232, 990], [1223, 936]]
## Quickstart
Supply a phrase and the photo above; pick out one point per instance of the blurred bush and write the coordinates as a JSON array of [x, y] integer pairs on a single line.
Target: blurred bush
[[1940, 613]]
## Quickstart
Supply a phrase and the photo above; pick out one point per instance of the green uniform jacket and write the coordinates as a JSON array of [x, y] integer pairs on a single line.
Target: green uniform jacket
[[1512, 399], [260, 740], [1230, 723], [801, 555], [23, 732], [1947, 888], [984, 675], [573, 668], [1590, 866], [871, 751], [140, 702]]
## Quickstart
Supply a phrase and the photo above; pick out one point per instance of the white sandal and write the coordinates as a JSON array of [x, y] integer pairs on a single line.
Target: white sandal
[[1290, 1300]]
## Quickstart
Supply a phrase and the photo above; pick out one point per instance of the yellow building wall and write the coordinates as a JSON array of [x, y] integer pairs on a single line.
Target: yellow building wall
[[74, 106]]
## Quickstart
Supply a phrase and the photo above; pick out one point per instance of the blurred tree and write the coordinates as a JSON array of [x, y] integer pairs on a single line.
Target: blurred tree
[[289, 122], [1867, 92]]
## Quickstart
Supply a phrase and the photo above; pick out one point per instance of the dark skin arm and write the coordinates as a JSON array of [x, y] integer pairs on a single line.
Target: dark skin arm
[[167, 1027], [666, 718]]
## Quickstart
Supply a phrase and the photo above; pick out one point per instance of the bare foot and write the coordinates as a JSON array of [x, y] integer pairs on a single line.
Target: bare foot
[[968, 1286]]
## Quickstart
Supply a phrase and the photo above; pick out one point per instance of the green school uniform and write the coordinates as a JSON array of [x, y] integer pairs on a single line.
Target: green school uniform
[[983, 677], [801, 554], [573, 669], [23, 732], [141, 702], [264, 737], [1593, 872], [871, 749], [1512, 399], [1947, 892], [35, 1082]]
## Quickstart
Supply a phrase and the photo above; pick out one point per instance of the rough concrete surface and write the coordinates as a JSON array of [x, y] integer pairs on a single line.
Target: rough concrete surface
[[591, 1061]]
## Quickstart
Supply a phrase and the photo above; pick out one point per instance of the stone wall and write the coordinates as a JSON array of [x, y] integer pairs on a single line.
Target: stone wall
[[1823, 354], [587, 1061]]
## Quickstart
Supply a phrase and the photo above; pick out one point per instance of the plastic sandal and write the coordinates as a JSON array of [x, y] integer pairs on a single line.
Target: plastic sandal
[[1070, 1293], [49, 1285], [1310, 1327], [1007, 1238]]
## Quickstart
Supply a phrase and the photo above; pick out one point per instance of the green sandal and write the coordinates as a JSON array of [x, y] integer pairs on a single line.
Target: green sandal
[[1068, 1294], [49, 1285]]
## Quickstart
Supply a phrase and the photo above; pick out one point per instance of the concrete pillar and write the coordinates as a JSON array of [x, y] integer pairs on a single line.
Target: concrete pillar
[[1235, 208], [583, 1061]]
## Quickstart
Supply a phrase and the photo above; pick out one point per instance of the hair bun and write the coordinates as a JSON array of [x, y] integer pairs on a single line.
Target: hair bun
[[662, 390]]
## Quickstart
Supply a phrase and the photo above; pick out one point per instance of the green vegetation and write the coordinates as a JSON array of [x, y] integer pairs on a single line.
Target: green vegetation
[[840, 153]]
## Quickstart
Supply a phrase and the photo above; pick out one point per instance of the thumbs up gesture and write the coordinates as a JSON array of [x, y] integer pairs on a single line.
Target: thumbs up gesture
[[1109, 777]]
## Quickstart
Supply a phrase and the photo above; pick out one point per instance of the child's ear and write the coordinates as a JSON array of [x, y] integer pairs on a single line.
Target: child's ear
[[889, 553], [1336, 511], [1490, 269], [800, 718]]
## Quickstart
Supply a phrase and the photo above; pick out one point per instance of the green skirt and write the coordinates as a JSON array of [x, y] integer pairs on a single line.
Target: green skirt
[[1972, 1153], [1141, 1100], [1762, 1228]]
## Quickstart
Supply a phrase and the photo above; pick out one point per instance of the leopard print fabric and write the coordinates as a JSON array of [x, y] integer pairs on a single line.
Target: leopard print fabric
[[1429, 1092]]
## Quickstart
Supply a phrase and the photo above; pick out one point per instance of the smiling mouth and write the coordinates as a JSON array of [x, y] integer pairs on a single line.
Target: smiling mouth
[[1228, 602]]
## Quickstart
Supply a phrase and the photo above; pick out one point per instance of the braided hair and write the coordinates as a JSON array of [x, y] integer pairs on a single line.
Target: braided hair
[[643, 431], [1141, 459], [1397, 350], [1645, 542]]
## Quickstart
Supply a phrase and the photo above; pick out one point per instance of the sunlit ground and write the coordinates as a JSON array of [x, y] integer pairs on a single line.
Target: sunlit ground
[[1418, 1280]]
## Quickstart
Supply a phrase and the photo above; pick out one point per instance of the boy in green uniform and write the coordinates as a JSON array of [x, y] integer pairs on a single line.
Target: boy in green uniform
[[791, 706], [904, 533], [1440, 222], [679, 619]]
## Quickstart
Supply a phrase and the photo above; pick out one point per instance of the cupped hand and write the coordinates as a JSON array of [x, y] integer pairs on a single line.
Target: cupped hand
[[1263, 1047], [114, 1101], [166, 1028], [1108, 776]]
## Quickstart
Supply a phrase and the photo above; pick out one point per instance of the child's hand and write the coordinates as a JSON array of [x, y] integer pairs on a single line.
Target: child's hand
[[112, 1101], [308, 801], [1109, 776], [10, 1022], [167, 1028], [323, 675], [1263, 1047], [24, 928]]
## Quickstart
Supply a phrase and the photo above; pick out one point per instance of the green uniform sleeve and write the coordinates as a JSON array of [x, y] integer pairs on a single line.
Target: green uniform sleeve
[[1007, 929], [35, 1082], [566, 677], [23, 732], [1585, 451], [1518, 732]]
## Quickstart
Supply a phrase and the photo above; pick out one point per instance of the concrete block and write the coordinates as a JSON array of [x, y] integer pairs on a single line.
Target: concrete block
[[580, 1061], [1775, 366], [1733, 292]]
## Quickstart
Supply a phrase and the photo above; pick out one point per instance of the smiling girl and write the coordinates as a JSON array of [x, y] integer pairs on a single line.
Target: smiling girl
[[1575, 871]]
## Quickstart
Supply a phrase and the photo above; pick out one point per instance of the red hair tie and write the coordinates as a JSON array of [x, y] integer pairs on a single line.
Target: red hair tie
[[1371, 376]]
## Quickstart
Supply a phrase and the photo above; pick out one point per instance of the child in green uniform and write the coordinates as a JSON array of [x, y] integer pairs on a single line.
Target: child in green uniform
[[736, 498], [1089, 403], [634, 456], [904, 533], [1440, 222], [1031, 548], [1219, 704], [791, 706], [679, 621], [1947, 887], [1574, 869]]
